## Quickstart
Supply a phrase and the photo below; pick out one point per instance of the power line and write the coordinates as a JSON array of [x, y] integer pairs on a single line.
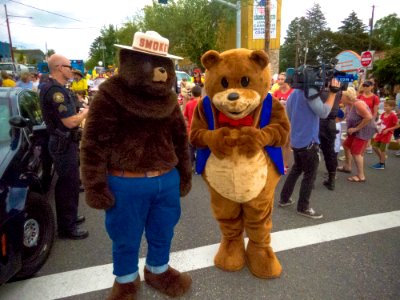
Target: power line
[[53, 13], [47, 27]]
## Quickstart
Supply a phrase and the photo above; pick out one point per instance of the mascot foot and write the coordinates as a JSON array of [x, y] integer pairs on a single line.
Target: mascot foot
[[125, 291], [262, 261], [231, 255], [171, 282]]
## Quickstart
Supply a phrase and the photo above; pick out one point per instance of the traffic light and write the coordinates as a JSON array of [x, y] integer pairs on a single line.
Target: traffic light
[[163, 1]]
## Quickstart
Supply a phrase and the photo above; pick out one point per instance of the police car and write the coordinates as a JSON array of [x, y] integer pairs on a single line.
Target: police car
[[27, 223]]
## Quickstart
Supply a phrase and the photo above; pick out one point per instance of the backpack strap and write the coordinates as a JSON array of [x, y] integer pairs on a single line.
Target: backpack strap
[[202, 154], [275, 153]]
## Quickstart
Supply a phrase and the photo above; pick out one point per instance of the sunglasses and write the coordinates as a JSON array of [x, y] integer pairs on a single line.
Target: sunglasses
[[66, 66]]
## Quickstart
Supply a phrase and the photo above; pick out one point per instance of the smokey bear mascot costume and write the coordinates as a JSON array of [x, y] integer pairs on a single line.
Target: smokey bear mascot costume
[[136, 165]]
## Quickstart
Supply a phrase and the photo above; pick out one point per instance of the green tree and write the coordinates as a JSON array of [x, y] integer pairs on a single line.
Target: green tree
[[387, 70], [387, 30], [352, 25], [103, 49], [50, 52], [192, 26]]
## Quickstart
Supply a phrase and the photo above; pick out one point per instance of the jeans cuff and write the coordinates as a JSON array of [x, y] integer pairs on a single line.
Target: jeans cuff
[[127, 278], [157, 270]]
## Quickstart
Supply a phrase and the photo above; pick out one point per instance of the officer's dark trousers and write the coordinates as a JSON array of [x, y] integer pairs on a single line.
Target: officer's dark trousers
[[67, 186], [327, 136], [305, 160]]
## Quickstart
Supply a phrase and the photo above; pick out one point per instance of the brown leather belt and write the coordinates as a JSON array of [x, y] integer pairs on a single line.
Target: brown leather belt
[[130, 174]]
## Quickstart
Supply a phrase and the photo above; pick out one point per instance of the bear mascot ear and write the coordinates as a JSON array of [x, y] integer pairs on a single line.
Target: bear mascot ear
[[210, 58], [260, 58]]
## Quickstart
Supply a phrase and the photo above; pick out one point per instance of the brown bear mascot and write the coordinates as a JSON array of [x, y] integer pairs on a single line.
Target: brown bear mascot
[[237, 129], [136, 165]]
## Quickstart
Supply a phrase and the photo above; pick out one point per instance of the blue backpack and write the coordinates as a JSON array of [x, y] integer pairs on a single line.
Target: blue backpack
[[275, 153]]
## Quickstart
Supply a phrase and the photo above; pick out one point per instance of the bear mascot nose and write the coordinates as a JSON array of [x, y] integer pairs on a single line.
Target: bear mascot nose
[[233, 96]]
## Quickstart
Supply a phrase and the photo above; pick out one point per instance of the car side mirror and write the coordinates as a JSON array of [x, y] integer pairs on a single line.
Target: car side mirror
[[18, 122]]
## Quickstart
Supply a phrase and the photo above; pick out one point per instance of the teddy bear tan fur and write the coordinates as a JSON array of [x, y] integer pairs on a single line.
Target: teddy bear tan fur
[[240, 175]]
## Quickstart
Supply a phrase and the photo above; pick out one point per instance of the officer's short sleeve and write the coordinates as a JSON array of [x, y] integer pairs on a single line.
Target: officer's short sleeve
[[61, 102]]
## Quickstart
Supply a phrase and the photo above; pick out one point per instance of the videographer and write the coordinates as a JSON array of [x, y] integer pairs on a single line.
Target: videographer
[[304, 114]]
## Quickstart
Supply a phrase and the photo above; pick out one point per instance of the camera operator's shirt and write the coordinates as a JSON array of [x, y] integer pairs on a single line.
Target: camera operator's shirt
[[304, 117]]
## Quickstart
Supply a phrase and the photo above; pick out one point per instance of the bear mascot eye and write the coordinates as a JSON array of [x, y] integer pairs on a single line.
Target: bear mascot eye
[[224, 82], [245, 81]]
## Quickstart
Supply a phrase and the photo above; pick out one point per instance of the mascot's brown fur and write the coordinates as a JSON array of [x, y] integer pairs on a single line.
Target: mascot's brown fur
[[240, 175], [135, 125], [135, 106]]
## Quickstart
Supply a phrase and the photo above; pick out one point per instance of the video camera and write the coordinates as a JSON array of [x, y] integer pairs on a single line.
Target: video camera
[[319, 77]]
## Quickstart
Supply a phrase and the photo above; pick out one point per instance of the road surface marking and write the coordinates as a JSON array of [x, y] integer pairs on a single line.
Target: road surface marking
[[96, 278]]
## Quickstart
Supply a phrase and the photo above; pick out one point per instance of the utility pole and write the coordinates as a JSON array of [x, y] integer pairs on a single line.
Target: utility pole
[[267, 13], [296, 60], [9, 38], [305, 52], [371, 26]]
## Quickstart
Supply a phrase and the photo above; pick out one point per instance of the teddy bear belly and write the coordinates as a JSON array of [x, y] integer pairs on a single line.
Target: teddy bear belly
[[237, 177]]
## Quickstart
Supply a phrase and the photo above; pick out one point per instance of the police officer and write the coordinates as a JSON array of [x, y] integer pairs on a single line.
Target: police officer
[[62, 121]]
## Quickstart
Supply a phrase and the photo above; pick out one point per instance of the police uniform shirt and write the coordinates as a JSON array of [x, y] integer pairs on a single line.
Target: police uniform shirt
[[57, 104]]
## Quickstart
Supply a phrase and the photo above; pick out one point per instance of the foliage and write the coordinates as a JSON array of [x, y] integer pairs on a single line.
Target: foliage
[[387, 70], [50, 52], [323, 44], [103, 49], [352, 25], [190, 25], [387, 30]]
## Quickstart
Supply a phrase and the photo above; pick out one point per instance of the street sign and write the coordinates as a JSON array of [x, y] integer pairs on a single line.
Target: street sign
[[366, 59]]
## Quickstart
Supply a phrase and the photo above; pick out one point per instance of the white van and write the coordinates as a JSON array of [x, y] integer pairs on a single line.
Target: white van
[[8, 67]]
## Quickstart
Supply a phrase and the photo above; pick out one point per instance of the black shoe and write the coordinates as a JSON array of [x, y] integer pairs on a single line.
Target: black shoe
[[80, 220], [310, 213], [77, 234], [283, 204]]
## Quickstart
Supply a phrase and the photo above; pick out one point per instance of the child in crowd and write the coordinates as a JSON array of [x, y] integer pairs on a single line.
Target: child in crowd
[[338, 140], [188, 114], [388, 123]]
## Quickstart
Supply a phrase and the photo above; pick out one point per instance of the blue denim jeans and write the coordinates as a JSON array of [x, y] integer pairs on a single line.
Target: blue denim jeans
[[144, 204]]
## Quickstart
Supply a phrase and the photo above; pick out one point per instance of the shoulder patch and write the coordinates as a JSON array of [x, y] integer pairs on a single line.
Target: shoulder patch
[[58, 97]]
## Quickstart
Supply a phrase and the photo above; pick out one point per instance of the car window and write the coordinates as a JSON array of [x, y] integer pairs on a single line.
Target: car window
[[180, 75], [5, 127], [6, 67], [29, 106]]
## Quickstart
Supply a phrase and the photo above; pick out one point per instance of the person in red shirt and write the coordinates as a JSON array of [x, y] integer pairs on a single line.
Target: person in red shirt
[[282, 94], [369, 97], [389, 122], [188, 114], [371, 100]]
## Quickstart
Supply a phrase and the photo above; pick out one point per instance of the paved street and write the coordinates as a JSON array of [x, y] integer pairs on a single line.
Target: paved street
[[352, 253]]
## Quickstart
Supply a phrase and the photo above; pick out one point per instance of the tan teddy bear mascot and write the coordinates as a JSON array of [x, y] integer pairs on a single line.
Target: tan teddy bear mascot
[[238, 129]]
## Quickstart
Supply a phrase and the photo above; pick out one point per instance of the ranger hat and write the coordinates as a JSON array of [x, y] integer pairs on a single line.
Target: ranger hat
[[76, 71], [150, 42]]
